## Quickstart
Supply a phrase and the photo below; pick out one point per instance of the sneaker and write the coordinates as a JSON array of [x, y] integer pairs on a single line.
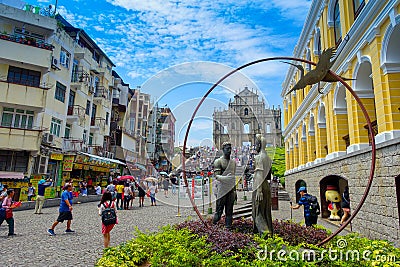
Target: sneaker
[[51, 232], [69, 231]]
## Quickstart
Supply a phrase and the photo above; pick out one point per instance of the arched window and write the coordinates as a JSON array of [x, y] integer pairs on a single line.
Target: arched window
[[304, 133], [358, 6], [246, 111], [317, 42], [336, 24], [246, 129], [268, 128], [308, 57]]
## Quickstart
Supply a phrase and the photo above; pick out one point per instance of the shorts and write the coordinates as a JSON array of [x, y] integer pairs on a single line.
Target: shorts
[[119, 195], [64, 216]]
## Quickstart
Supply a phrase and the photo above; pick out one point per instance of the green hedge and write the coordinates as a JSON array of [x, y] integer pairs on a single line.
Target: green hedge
[[181, 247]]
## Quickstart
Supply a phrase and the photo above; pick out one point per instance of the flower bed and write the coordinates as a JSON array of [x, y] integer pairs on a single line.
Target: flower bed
[[192, 244]]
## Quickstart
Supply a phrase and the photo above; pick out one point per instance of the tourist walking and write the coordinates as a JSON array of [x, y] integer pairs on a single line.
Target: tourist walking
[[65, 211], [127, 195], [119, 188], [40, 194], [153, 190], [310, 217], [105, 203], [3, 193], [165, 186], [142, 192], [31, 191], [111, 188], [9, 205]]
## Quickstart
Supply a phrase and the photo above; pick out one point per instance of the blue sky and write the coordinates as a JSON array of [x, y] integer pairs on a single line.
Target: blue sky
[[146, 37]]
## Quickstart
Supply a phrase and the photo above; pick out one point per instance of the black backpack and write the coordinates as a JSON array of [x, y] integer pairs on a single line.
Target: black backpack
[[314, 205], [108, 216]]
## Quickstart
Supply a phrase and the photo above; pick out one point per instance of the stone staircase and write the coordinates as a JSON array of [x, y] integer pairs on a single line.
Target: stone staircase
[[244, 210]]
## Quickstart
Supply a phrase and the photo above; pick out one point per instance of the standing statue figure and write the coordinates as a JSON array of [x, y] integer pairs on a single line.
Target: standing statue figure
[[224, 169], [261, 197]]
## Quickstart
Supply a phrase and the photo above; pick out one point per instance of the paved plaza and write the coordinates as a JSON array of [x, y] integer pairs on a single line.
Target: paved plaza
[[34, 247]]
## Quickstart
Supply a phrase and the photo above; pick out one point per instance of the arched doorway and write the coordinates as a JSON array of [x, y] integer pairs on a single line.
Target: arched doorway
[[332, 180], [299, 184], [397, 182]]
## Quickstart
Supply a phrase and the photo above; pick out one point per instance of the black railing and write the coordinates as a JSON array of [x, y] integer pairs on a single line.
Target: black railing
[[27, 41]]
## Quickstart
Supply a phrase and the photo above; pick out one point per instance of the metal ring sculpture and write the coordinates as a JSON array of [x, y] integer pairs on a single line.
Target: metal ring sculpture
[[364, 111]]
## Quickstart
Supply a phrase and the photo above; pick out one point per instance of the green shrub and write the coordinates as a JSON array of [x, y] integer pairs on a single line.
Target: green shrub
[[179, 246]]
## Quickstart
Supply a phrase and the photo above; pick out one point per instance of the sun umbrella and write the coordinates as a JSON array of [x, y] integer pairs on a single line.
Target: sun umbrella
[[164, 173], [126, 177], [151, 179]]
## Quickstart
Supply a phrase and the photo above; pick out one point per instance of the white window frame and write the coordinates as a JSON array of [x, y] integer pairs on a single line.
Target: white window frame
[[17, 115], [55, 127], [65, 58]]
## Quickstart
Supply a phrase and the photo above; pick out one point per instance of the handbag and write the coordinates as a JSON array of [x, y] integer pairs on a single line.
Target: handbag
[[9, 213], [148, 193]]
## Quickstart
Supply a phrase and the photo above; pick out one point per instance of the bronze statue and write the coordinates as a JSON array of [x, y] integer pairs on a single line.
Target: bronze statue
[[261, 197], [224, 170], [320, 73]]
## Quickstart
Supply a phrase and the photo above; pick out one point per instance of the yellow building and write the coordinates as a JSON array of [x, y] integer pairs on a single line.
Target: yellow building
[[326, 136], [55, 97]]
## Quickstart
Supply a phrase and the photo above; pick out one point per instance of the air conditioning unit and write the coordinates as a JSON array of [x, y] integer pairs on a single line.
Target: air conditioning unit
[[48, 138], [54, 63]]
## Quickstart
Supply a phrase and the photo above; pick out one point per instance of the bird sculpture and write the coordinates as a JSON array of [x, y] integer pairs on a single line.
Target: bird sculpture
[[320, 73]]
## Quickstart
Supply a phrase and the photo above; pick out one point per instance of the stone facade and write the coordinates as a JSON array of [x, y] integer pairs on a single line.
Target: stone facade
[[245, 117], [379, 216]]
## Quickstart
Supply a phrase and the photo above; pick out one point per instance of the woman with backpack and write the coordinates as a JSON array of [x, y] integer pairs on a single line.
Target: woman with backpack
[[108, 213]]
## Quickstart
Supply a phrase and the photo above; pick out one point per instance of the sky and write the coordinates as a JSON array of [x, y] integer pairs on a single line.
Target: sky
[[176, 50]]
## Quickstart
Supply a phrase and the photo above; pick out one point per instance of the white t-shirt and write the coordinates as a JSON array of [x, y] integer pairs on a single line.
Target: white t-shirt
[[127, 191], [153, 189], [98, 190]]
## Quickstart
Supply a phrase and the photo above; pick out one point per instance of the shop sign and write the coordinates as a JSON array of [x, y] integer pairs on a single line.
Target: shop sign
[[68, 163], [56, 156], [78, 166], [81, 159], [100, 169], [86, 167]]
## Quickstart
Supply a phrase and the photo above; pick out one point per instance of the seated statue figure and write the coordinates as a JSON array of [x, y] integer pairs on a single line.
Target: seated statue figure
[[261, 197]]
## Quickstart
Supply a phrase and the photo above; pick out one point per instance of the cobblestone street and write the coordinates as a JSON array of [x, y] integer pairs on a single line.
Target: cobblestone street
[[33, 246]]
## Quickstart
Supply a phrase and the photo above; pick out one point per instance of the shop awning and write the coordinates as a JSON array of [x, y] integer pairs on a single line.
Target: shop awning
[[12, 175], [103, 159]]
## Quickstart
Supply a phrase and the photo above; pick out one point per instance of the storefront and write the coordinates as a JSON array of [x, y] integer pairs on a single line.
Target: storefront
[[94, 169], [16, 181]]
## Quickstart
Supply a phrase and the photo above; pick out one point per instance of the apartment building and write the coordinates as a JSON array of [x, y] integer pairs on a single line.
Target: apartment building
[[326, 136], [55, 100]]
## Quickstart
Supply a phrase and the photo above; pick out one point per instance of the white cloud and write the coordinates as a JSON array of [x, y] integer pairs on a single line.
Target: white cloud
[[98, 28]]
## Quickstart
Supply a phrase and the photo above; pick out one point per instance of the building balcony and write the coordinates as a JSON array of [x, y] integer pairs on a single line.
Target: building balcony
[[23, 94], [79, 77], [73, 145], [20, 139], [76, 113], [85, 54], [95, 149], [97, 124], [29, 50], [101, 94]]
